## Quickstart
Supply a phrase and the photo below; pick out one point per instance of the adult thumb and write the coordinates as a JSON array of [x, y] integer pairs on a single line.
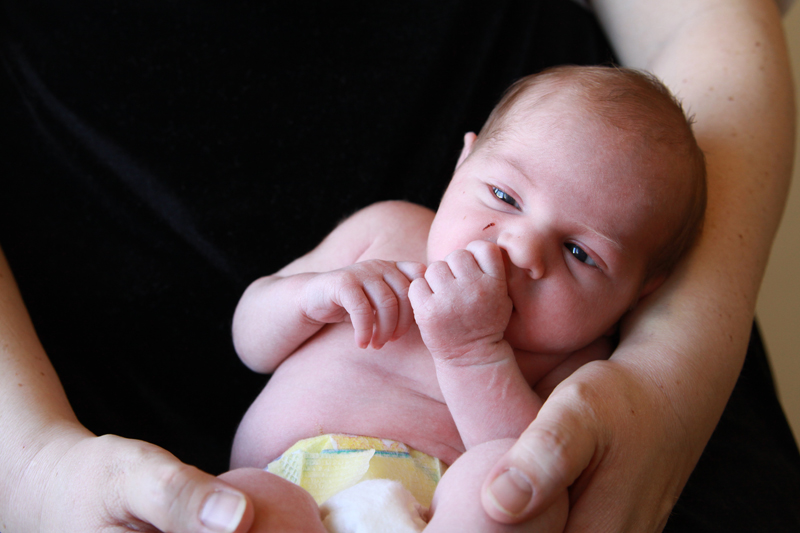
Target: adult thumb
[[175, 497], [548, 457]]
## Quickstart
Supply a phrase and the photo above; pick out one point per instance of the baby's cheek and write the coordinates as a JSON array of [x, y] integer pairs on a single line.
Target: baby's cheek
[[545, 333]]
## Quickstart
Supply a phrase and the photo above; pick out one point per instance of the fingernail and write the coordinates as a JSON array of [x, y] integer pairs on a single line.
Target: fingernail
[[511, 492], [223, 511]]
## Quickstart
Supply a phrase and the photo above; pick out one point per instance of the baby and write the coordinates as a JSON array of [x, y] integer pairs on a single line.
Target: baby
[[408, 340]]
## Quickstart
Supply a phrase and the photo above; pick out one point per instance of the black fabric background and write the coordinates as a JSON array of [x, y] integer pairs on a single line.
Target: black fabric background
[[160, 155]]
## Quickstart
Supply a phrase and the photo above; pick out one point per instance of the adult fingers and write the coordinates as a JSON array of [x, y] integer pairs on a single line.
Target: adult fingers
[[622, 455], [549, 456], [160, 490]]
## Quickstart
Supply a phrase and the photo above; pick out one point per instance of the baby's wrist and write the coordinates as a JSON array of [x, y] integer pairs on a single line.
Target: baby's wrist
[[476, 353]]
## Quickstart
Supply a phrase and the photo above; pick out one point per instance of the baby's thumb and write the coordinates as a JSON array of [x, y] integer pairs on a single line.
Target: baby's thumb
[[180, 498]]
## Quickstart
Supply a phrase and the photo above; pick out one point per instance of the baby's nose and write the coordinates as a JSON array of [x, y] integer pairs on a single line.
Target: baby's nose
[[525, 252]]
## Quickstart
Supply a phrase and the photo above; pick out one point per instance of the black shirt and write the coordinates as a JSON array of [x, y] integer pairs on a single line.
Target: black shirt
[[164, 154]]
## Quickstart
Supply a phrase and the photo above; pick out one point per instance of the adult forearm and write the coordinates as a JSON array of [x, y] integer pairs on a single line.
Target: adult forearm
[[55, 475], [727, 62], [37, 424], [625, 434]]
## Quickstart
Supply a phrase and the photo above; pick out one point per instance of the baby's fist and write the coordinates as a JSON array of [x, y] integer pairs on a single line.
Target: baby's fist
[[462, 302]]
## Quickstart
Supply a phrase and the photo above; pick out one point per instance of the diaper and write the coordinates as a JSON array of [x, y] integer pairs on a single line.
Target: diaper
[[328, 464]]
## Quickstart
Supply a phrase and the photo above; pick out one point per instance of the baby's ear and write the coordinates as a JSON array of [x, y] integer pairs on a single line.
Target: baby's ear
[[469, 141], [649, 287], [652, 285]]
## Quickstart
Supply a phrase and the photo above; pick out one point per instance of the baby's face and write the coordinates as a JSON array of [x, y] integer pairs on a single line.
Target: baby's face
[[569, 202]]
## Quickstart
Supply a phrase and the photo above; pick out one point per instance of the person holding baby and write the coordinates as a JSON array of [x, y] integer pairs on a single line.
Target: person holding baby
[[159, 158]]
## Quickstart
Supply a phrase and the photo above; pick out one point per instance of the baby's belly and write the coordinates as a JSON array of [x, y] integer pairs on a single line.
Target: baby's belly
[[331, 387]]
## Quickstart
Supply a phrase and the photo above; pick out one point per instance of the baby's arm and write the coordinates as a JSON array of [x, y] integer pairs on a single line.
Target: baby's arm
[[277, 313], [462, 308]]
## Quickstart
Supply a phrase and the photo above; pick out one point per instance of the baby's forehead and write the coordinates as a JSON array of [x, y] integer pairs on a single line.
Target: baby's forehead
[[548, 107], [557, 113], [544, 103], [639, 110], [632, 139], [565, 121], [619, 172]]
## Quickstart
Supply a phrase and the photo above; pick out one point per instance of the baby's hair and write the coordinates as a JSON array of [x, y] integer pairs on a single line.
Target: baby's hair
[[629, 100]]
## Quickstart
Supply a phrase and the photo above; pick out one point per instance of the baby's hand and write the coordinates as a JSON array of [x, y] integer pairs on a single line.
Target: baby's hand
[[462, 303], [372, 294]]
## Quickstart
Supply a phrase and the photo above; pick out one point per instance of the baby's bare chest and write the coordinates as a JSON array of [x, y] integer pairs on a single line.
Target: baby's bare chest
[[331, 386]]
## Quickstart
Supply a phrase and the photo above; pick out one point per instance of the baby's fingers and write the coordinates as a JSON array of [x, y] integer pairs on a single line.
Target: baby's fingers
[[358, 304], [489, 258], [399, 283], [411, 269], [419, 292], [440, 275], [393, 312], [386, 304]]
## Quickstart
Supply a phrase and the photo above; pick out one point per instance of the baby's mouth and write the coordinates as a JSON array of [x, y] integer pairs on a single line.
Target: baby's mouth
[[506, 264]]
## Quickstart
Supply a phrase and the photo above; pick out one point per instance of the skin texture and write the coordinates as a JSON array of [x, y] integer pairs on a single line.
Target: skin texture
[[538, 248], [571, 191], [682, 349], [727, 60]]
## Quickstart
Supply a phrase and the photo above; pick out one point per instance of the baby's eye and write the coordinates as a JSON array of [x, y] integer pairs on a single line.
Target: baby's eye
[[505, 197], [579, 254]]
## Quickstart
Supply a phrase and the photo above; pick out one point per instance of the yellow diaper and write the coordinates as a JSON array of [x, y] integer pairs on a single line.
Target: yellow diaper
[[328, 464]]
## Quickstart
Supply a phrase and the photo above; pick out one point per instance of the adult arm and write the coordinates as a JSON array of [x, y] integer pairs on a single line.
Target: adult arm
[[58, 477], [625, 434]]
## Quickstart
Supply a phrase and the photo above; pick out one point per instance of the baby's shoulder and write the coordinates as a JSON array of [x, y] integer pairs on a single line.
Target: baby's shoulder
[[394, 231], [393, 214]]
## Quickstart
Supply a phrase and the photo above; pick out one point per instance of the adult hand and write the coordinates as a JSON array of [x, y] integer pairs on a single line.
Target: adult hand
[[84, 483], [624, 456]]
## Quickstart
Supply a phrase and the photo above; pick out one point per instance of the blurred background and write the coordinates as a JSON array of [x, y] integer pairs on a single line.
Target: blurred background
[[778, 309]]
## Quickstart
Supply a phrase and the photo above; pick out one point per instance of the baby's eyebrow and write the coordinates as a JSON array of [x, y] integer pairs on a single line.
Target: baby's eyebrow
[[612, 241], [513, 164]]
